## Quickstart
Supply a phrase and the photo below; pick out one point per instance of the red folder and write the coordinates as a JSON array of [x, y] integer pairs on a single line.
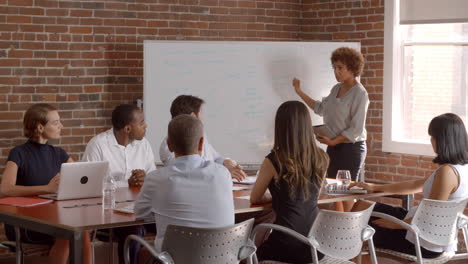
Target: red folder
[[24, 201]]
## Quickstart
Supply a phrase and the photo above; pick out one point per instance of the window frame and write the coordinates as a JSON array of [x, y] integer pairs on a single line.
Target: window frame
[[393, 70]]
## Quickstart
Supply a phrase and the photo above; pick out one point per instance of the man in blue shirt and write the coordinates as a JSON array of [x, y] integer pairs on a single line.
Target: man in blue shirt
[[190, 191]]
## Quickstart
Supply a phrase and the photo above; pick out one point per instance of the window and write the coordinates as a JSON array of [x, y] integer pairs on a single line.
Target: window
[[426, 74]]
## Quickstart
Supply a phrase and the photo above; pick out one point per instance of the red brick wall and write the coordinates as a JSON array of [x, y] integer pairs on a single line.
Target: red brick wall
[[85, 57], [342, 20]]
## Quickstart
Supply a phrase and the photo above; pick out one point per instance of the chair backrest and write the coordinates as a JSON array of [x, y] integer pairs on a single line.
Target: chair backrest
[[206, 245], [339, 234], [437, 220]]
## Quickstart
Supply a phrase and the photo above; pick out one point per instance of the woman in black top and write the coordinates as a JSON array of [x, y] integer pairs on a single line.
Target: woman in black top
[[34, 168], [293, 173]]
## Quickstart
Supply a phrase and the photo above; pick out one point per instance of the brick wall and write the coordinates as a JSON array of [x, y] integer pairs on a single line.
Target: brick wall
[[85, 57], [342, 20]]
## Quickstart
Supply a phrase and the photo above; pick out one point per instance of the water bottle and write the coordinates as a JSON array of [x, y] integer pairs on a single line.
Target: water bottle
[[108, 192]]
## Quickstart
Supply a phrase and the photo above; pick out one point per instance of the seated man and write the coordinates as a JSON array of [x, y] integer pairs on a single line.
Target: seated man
[[190, 191], [191, 105], [124, 146], [130, 158]]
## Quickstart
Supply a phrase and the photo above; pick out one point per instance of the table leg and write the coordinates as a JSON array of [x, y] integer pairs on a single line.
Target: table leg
[[76, 248], [111, 242], [19, 249]]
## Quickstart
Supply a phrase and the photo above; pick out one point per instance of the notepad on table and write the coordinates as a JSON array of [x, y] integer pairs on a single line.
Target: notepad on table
[[24, 201], [128, 209], [248, 180]]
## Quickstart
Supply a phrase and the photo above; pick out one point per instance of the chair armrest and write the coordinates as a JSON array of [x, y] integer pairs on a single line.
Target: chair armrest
[[163, 257], [247, 250], [300, 237], [367, 233], [462, 221], [405, 225]]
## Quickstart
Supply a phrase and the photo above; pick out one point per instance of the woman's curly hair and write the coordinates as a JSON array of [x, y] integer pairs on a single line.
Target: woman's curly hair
[[350, 57]]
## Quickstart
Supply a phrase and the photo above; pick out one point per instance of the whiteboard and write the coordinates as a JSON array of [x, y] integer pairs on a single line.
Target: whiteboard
[[242, 84]]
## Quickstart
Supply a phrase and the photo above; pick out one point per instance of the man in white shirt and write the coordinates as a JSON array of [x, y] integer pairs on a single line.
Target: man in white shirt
[[191, 105], [190, 191], [124, 146], [130, 159]]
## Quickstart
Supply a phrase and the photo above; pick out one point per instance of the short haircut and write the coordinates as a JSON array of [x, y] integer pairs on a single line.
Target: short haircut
[[122, 115], [451, 140], [186, 104], [350, 57], [35, 115], [184, 133]]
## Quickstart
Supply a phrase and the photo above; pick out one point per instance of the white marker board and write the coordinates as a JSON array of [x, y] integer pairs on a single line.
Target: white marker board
[[243, 83]]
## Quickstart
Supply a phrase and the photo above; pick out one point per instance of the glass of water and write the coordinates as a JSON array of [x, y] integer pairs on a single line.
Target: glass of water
[[343, 178]]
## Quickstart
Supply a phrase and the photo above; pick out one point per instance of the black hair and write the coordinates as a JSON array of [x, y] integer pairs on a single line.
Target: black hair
[[122, 115], [186, 104], [451, 139]]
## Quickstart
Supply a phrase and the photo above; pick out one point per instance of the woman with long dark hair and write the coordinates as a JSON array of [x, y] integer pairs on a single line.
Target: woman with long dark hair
[[293, 172]]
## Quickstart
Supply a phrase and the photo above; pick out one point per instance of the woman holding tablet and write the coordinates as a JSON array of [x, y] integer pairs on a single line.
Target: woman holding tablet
[[344, 113], [33, 168]]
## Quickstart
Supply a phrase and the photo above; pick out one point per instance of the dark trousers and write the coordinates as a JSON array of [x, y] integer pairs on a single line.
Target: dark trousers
[[394, 239], [346, 156], [28, 236]]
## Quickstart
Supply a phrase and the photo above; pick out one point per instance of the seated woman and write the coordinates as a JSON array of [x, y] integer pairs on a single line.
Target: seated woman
[[293, 172], [34, 168], [448, 182]]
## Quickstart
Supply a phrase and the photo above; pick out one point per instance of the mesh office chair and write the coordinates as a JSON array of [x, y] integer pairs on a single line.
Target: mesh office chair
[[435, 221], [189, 245], [338, 235]]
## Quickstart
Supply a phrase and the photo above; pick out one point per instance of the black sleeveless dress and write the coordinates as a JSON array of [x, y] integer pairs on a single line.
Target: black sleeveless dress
[[297, 214]]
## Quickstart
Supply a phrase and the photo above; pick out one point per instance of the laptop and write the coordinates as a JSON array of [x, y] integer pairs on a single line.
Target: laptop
[[80, 180]]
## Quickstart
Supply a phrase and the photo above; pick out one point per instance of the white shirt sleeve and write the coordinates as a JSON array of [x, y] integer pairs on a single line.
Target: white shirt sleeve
[[150, 164], [210, 153], [143, 205], [164, 154], [93, 151], [319, 106]]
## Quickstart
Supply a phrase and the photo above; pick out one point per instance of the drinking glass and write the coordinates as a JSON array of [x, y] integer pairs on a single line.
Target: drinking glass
[[343, 178]]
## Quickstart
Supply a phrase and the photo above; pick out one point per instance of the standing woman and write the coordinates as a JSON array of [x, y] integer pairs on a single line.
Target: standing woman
[[33, 168], [344, 112], [293, 172]]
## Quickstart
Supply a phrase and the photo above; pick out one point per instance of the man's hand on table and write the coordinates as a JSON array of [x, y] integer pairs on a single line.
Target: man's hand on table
[[137, 179]]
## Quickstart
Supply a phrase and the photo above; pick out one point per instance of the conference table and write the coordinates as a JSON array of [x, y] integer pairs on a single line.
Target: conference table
[[68, 219]]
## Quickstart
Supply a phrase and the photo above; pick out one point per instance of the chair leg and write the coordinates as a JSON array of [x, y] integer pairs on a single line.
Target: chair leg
[[370, 244], [19, 248], [93, 251], [465, 237]]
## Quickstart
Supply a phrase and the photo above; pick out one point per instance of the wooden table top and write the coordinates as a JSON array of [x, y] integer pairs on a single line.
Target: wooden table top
[[93, 217]]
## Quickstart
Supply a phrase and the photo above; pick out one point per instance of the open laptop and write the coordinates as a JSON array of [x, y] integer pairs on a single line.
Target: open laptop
[[80, 180]]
